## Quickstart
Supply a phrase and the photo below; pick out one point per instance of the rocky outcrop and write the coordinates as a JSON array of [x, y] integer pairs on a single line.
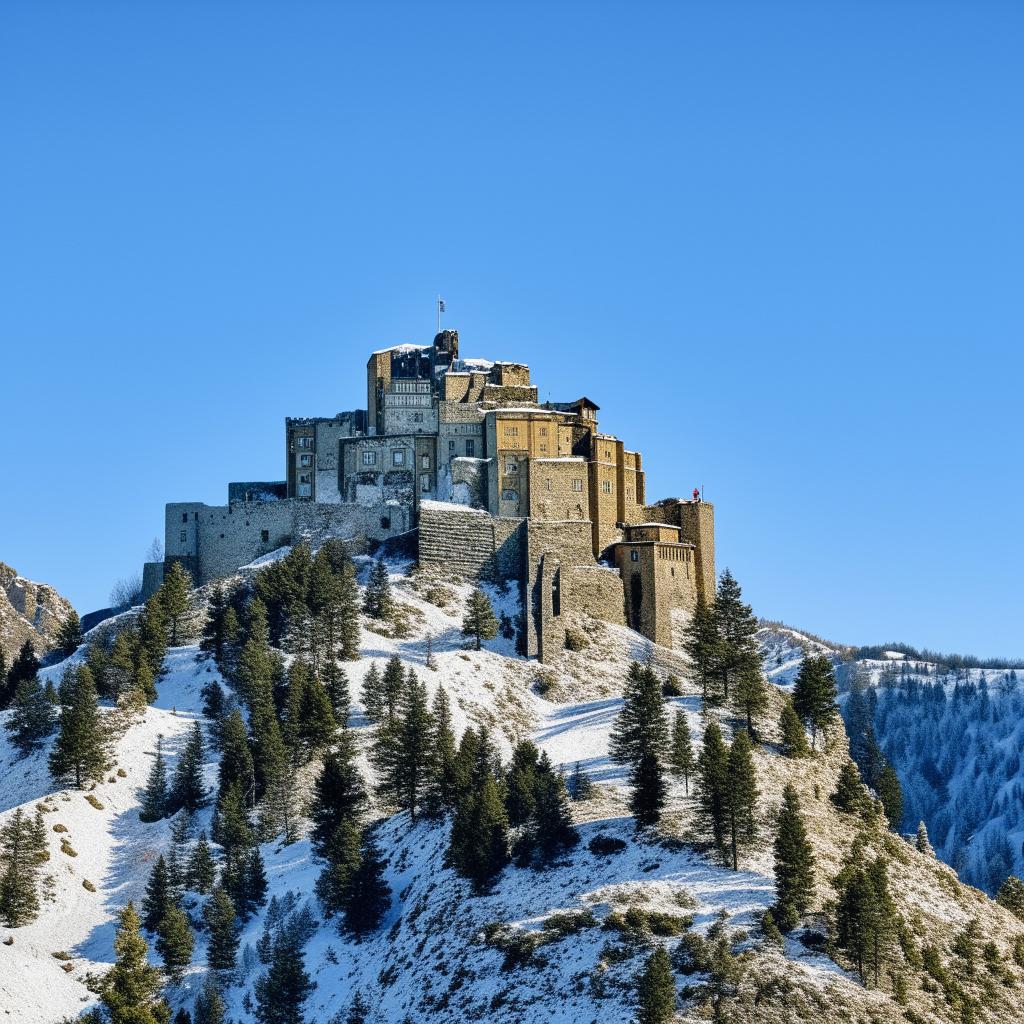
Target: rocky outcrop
[[28, 611]]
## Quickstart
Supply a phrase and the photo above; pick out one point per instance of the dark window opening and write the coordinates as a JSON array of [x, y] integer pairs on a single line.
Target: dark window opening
[[556, 596], [184, 517], [385, 522], [265, 536]]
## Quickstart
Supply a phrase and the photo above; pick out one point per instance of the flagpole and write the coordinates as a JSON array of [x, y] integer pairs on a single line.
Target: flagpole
[[439, 314]]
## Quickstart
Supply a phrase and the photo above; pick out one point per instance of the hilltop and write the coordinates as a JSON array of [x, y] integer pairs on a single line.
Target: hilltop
[[545, 945], [28, 611]]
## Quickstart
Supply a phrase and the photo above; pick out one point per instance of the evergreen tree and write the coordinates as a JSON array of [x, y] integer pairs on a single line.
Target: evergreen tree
[[236, 764], [317, 724], [188, 791], [656, 990], [130, 991], [374, 703], [32, 718], [254, 668], [282, 992], [750, 694], [98, 662], [339, 795], [794, 864], [641, 727], [123, 665], [233, 639], [794, 737], [392, 684], [79, 753], [850, 794], [346, 607], [521, 783], [222, 925], [152, 625], [202, 869], [368, 893], [429, 661], [736, 625], [866, 918], [22, 850], [175, 943], [479, 622], [440, 795], [923, 844], [702, 644], [402, 754], [712, 782], [173, 594], [24, 667], [378, 602], [1011, 892], [891, 794], [358, 1010], [156, 800], [335, 681], [479, 838], [231, 826], [551, 830], [580, 786], [255, 884], [681, 760], [213, 636], [647, 790], [740, 796], [159, 896], [69, 636], [814, 694], [341, 853], [209, 1006]]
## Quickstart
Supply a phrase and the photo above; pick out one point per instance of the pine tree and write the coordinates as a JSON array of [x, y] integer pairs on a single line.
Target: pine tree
[[254, 668], [521, 783], [440, 796], [173, 594], [479, 838], [656, 990], [79, 752], [924, 846], [794, 737], [339, 794], [702, 644], [358, 1010], [392, 684], [152, 624], [681, 760], [750, 694], [335, 681], [122, 668], [159, 896], [794, 864], [378, 602], [212, 640], [24, 667], [317, 724], [374, 703], [156, 800], [255, 884], [175, 943], [1011, 892], [233, 640], [69, 636], [580, 786], [188, 791], [282, 992], [551, 830], [32, 718], [222, 925], [712, 782], [130, 991], [814, 694], [209, 1007], [202, 869], [429, 661], [368, 895], [479, 622], [740, 796], [891, 794], [21, 853], [647, 790], [231, 826], [641, 727], [401, 753], [341, 854], [736, 626], [850, 794], [866, 918], [236, 764]]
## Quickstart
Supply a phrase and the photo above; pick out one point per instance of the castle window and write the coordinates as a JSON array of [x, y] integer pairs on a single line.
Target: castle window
[[634, 555], [547, 484], [184, 517], [264, 536], [304, 442], [424, 482], [417, 417], [424, 462], [397, 456], [305, 460], [606, 486], [369, 458], [629, 492], [511, 466], [509, 494], [543, 431], [470, 447], [451, 446], [577, 485], [385, 523], [183, 536]]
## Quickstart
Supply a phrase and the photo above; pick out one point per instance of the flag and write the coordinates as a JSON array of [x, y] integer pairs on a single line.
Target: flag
[[440, 305]]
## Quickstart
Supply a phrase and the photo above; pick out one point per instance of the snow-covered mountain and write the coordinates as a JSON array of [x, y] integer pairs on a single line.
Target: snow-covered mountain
[[446, 955]]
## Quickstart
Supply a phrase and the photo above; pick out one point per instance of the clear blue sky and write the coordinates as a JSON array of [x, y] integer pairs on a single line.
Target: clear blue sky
[[781, 244]]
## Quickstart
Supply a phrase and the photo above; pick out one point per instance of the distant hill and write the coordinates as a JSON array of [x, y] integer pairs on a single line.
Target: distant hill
[[28, 611]]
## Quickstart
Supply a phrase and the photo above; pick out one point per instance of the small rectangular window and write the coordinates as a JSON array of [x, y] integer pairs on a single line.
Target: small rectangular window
[[184, 517], [606, 486], [634, 555], [451, 446], [369, 458], [511, 466], [577, 485], [183, 536], [424, 462], [425, 482], [470, 448], [265, 536], [417, 417], [305, 460], [547, 484], [397, 456], [304, 442], [305, 491]]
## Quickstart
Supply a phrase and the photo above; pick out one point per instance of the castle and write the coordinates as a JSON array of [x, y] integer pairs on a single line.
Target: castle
[[460, 459]]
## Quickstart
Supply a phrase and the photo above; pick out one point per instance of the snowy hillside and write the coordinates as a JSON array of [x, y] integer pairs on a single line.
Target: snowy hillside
[[542, 946]]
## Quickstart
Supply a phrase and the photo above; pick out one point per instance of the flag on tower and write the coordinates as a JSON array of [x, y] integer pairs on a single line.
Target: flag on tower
[[440, 305]]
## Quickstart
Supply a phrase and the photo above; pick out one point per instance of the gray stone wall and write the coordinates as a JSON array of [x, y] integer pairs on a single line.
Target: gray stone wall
[[469, 543], [553, 489]]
